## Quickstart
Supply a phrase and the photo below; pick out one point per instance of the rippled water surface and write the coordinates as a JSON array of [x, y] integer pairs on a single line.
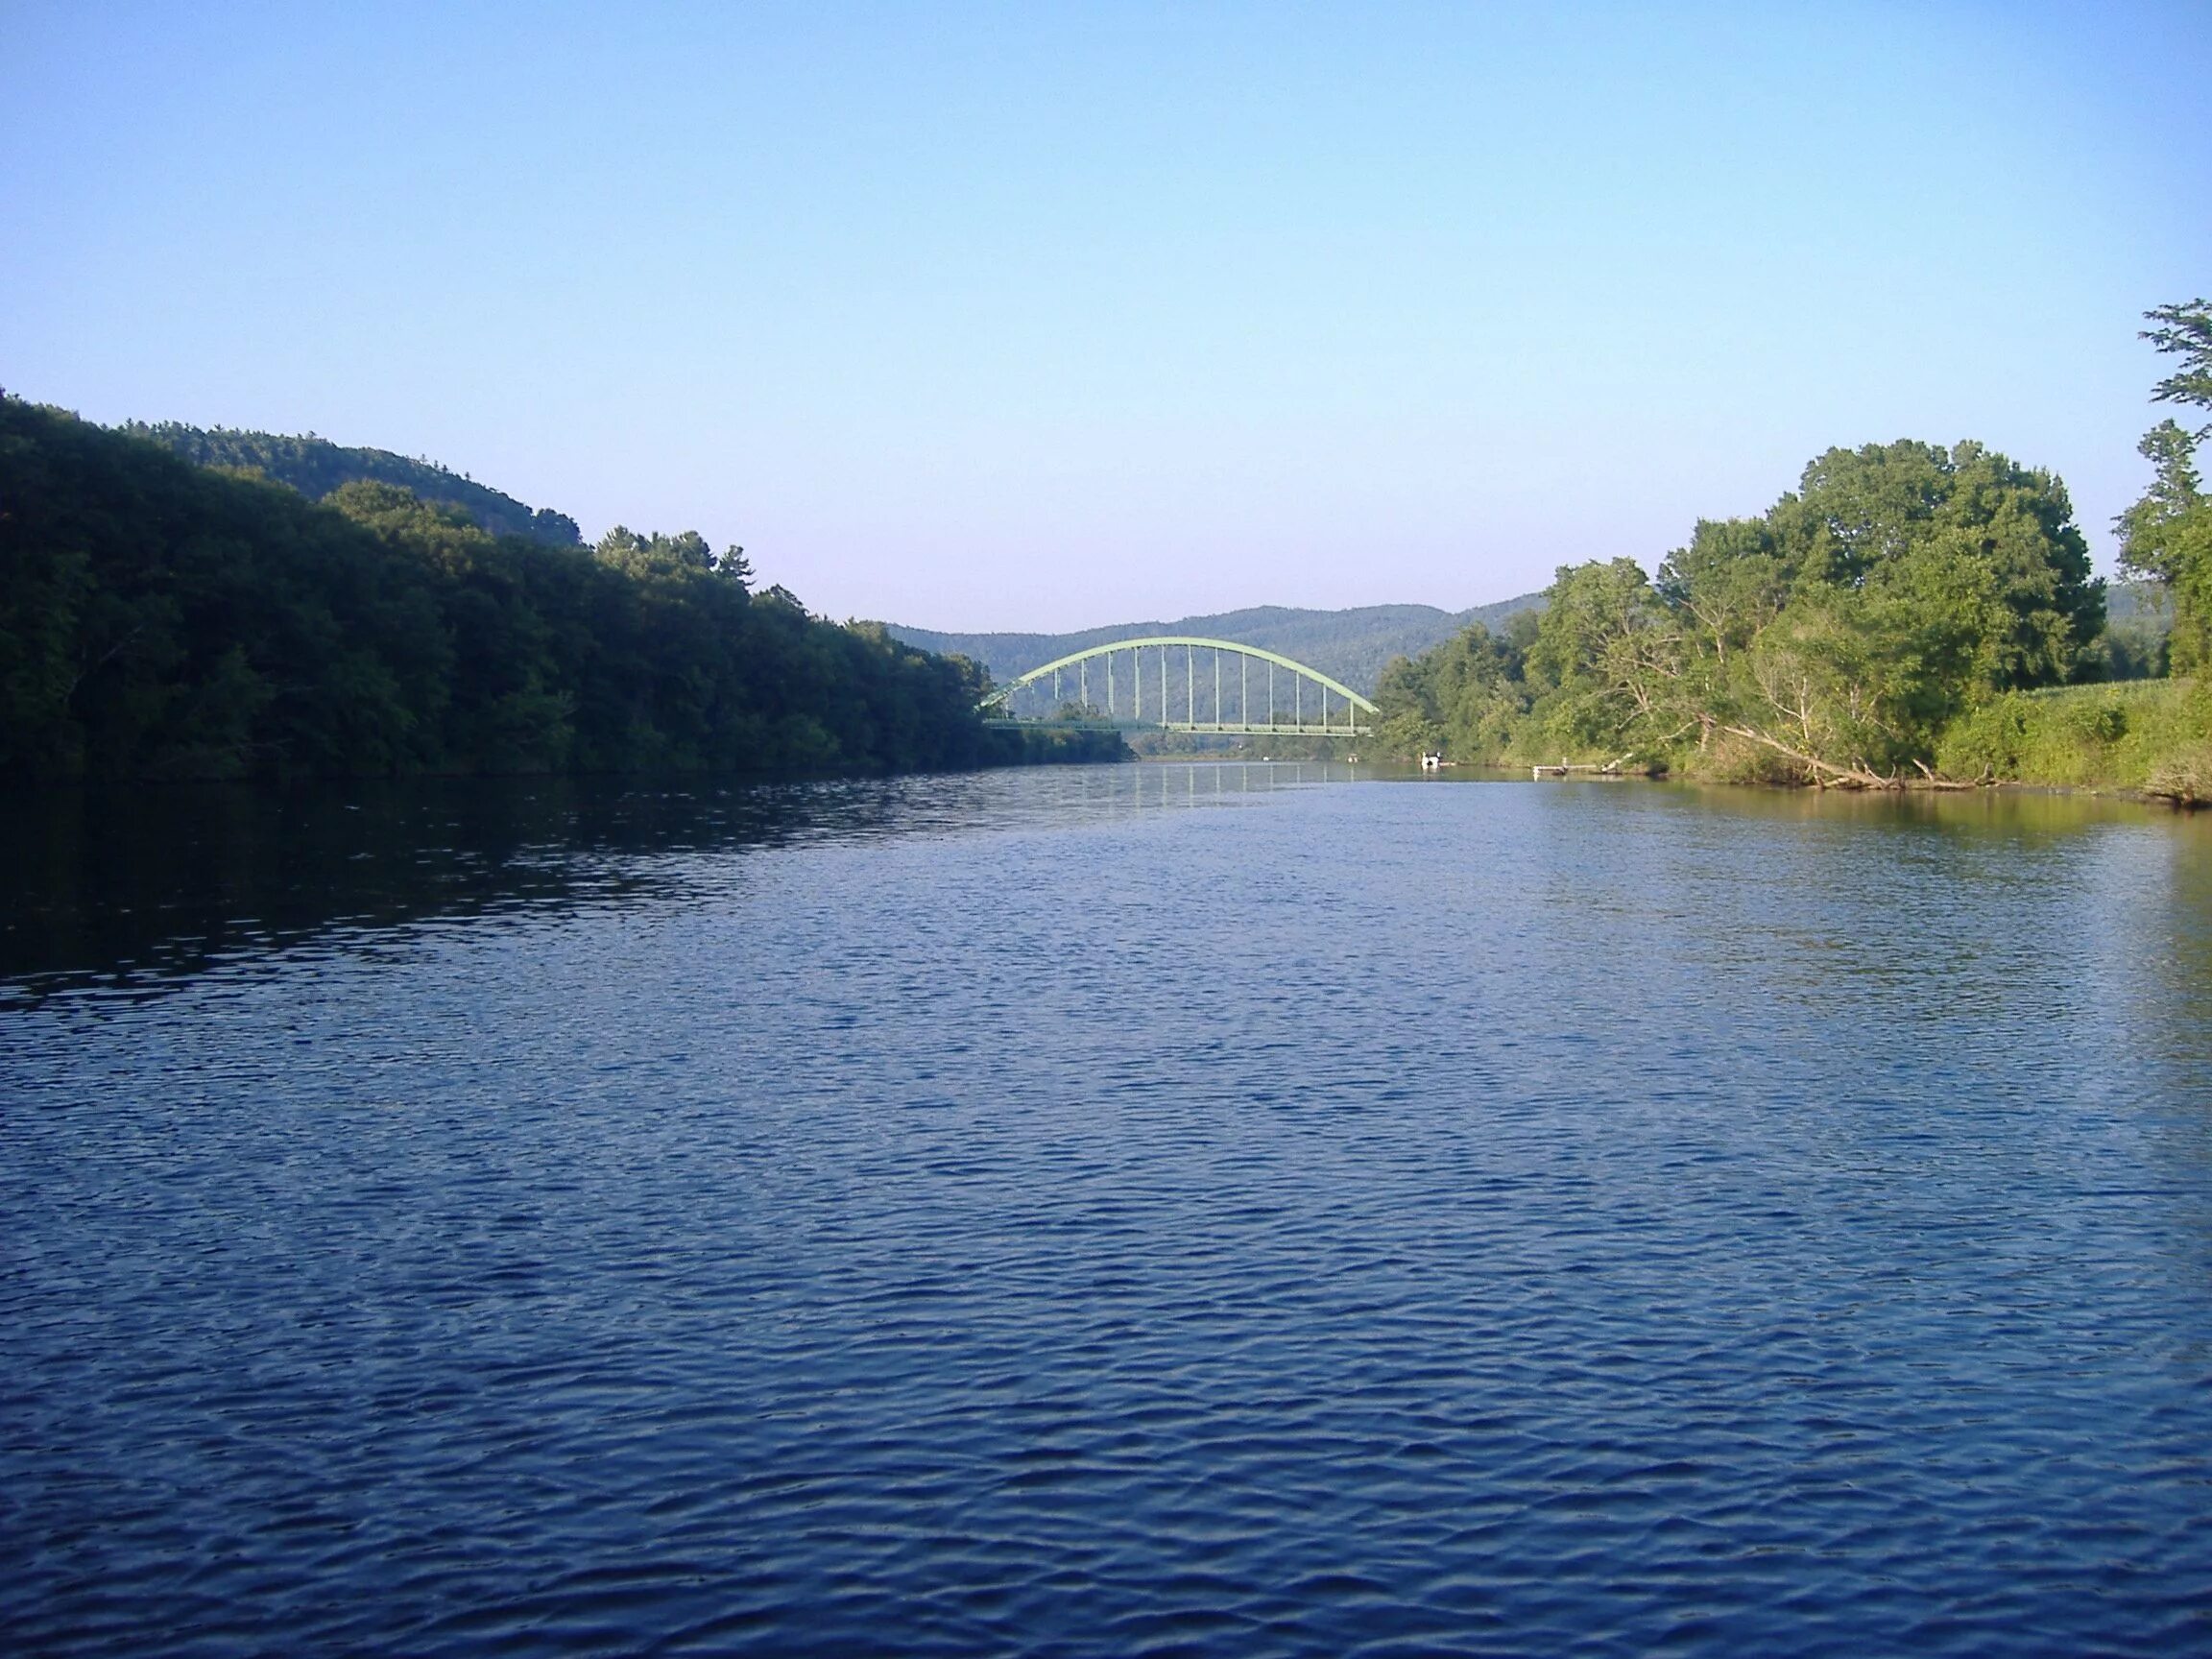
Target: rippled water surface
[[1138, 1210]]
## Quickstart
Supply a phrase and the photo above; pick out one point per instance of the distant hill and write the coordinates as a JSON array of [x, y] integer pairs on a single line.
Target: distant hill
[[2137, 602], [315, 466], [1350, 646]]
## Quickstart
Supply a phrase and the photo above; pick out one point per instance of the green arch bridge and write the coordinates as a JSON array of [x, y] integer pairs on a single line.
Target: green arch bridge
[[1163, 683]]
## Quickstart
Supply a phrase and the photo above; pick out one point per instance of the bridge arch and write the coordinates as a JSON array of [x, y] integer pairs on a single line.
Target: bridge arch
[[1291, 698]]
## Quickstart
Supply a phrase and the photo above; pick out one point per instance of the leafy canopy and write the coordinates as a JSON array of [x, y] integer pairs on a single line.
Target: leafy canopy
[[2166, 537], [160, 618], [1834, 635]]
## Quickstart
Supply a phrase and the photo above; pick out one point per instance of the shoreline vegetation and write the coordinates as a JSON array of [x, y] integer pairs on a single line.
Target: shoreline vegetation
[[178, 603], [162, 619], [1911, 616]]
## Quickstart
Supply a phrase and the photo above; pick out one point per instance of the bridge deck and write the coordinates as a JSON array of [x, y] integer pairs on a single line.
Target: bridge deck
[[1207, 727]]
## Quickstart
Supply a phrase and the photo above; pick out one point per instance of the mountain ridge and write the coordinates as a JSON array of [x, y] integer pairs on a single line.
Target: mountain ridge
[[315, 466]]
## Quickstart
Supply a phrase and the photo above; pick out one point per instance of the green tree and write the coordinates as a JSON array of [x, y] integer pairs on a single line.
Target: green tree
[[1606, 663], [317, 468], [1833, 637], [163, 618], [2167, 536], [1899, 585], [2184, 331], [1466, 697]]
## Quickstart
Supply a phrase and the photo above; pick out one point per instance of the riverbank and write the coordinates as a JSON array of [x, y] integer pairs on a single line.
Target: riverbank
[[2146, 737], [162, 622]]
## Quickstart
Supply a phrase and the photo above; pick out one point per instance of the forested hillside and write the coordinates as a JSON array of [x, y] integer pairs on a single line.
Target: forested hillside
[[318, 467], [161, 619], [1350, 646]]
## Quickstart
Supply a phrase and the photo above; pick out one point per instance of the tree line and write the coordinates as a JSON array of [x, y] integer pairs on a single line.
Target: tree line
[[1839, 637], [161, 619], [318, 467]]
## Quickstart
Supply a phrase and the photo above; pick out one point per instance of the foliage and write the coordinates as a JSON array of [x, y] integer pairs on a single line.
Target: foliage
[[1039, 746], [2167, 536], [2184, 778], [2184, 331], [2095, 737], [1466, 697], [161, 619], [317, 468], [2149, 734], [1833, 637]]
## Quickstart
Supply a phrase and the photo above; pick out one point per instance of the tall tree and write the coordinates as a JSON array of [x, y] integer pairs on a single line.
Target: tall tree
[[2184, 331], [2167, 535], [1898, 585], [1833, 637]]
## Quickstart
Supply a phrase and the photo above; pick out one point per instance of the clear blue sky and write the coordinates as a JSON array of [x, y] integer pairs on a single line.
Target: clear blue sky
[[1049, 315]]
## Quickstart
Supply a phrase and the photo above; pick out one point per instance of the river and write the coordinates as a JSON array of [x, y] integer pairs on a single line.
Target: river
[[1153, 1208]]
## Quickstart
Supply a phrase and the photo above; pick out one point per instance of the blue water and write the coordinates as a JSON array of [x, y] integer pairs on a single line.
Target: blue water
[[1140, 1209]]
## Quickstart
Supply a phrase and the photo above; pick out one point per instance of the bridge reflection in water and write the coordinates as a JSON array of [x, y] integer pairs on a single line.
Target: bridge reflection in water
[[1104, 689]]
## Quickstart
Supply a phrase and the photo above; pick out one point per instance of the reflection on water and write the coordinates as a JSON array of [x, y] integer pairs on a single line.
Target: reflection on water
[[1166, 1208], [133, 887]]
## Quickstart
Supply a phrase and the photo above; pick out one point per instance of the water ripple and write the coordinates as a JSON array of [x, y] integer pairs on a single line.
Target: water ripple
[[1021, 1215]]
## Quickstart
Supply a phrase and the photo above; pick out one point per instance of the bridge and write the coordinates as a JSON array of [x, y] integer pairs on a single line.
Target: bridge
[[1269, 694]]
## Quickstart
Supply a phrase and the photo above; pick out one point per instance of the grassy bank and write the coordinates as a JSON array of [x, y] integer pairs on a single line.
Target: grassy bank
[[2153, 736], [2149, 734]]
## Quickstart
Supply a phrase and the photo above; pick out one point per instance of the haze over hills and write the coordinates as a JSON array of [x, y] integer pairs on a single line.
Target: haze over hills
[[315, 466], [1350, 646]]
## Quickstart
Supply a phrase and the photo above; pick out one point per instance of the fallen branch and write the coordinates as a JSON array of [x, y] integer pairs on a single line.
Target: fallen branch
[[1826, 773], [1938, 783]]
